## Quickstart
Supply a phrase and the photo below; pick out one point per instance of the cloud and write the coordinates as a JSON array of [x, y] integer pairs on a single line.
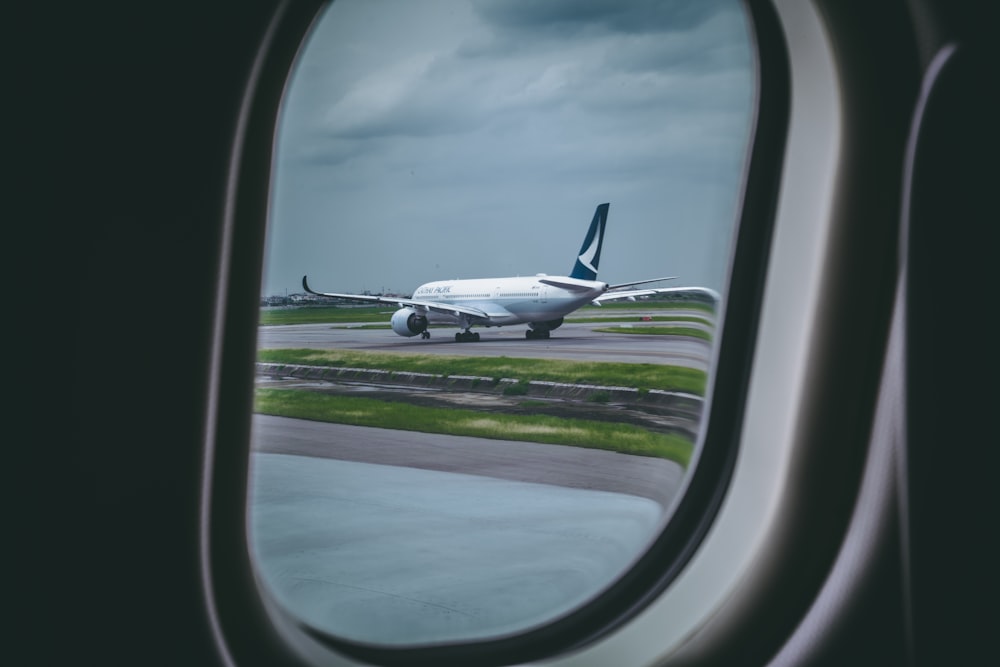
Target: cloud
[[566, 18], [490, 123]]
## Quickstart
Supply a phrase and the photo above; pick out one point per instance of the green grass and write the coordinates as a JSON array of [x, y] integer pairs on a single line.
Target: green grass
[[640, 376], [516, 389], [618, 437], [658, 331], [326, 314]]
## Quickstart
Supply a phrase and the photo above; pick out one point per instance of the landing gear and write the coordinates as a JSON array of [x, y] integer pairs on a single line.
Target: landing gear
[[532, 334], [425, 334], [467, 337]]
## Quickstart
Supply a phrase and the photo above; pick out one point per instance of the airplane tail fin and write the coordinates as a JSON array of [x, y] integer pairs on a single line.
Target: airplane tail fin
[[585, 267]]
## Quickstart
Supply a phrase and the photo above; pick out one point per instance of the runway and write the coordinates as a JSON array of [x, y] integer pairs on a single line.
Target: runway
[[392, 537], [396, 556], [397, 537], [558, 465], [576, 341]]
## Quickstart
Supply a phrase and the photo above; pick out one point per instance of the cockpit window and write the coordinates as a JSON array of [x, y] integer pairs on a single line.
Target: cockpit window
[[514, 220]]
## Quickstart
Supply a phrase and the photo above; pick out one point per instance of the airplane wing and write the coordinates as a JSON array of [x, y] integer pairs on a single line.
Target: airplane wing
[[632, 294], [639, 282], [418, 305]]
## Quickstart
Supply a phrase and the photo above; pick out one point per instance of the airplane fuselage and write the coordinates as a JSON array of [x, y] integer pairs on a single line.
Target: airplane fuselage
[[540, 301], [508, 300]]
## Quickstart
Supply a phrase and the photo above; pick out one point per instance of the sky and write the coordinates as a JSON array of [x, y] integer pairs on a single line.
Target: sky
[[449, 139]]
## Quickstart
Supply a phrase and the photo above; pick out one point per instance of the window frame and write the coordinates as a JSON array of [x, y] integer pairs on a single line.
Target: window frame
[[250, 627]]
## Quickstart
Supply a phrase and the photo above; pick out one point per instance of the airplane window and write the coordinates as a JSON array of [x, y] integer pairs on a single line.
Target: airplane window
[[462, 433]]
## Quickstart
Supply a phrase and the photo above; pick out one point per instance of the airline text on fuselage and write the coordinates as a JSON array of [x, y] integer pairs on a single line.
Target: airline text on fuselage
[[440, 289]]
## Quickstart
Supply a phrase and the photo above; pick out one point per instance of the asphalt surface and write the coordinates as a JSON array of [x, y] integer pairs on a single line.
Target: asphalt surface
[[397, 556], [570, 341], [400, 538], [574, 467]]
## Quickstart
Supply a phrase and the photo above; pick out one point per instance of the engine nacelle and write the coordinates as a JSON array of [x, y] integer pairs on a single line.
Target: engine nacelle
[[408, 322], [550, 325]]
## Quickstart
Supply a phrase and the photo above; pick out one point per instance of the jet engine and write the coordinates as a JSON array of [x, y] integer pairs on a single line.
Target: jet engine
[[408, 322]]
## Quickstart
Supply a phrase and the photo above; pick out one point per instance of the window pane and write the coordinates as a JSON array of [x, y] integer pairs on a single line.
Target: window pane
[[515, 448]]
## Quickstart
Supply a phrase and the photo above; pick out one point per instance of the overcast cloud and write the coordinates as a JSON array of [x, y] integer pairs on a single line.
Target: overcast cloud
[[473, 138]]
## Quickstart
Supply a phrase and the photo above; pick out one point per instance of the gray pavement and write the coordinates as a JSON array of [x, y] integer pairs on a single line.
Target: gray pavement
[[570, 341], [397, 537], [559, 465], [397, 555]]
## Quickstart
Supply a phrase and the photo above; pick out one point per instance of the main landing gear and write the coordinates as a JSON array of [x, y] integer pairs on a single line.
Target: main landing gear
[[467, 337], [532, 334], [425, 334]]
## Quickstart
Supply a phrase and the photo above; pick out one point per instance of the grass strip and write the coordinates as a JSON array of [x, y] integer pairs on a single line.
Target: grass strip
[[658, 331], [324, 315], [600, 373], [357, 411]]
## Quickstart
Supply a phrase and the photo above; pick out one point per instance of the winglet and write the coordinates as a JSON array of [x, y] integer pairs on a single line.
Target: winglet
[[585, 267], [305, 286]]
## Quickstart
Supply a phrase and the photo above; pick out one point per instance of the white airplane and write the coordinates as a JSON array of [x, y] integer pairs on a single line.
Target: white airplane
[[541, 301]]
